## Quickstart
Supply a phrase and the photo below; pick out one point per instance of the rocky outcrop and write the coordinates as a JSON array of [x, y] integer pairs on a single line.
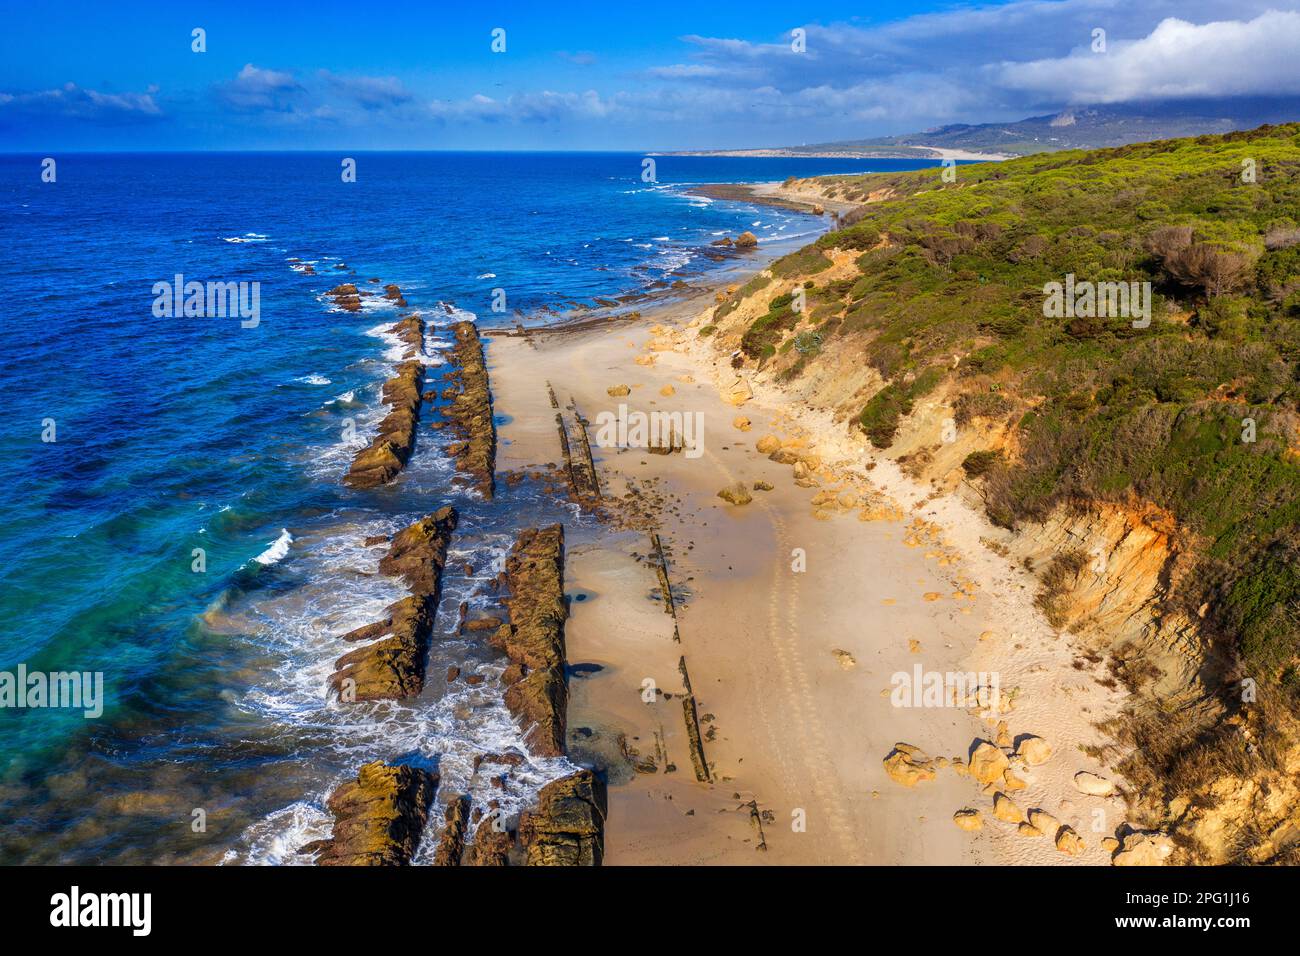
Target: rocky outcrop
[[451, 846], [746, 240], [346, 297], [393, 666], [378, 818], [388, 452], [568, 826], [536, 691], [491, 845], [394, 294], [471, 411]]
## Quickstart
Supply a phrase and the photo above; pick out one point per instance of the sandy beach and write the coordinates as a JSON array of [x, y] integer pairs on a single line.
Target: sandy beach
[[793, 615]]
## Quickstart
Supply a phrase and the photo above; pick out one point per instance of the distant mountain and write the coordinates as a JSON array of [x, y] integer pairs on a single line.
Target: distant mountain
[[1090, 127]]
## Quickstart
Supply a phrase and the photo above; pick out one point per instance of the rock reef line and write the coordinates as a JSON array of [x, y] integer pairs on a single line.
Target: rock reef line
[[388, 452], [393, 666], [470, 412]]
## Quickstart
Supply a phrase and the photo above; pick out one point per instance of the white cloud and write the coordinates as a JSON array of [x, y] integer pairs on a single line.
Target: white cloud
[[255, 89], [73, 102], [1259, 57]]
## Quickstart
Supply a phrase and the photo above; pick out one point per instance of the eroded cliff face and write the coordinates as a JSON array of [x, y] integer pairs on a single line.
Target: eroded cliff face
[[1205, 761]]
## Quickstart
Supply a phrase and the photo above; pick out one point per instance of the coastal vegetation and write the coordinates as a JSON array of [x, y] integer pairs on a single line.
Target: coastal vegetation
[[1194, 409]]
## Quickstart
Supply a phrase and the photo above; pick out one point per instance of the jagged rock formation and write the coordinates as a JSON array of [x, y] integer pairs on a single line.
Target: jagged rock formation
[[346, 297], [534, 638], [471, 412], [451, 845], [492, 844], [568, 826], [393, 666], [378, 819], [566, 829], [387, 453]]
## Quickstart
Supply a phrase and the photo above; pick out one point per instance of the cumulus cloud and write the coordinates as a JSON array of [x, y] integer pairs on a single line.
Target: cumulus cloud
[[941, 67], [1176, 60], [254, 89], [73, 102]]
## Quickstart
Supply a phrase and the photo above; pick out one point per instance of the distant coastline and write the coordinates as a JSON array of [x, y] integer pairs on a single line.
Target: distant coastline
[[898, 152]]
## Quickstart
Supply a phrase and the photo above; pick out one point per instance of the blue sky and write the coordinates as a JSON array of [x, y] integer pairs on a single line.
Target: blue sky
[[639, 75]]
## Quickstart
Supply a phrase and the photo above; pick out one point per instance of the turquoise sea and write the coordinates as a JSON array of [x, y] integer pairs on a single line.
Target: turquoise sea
[[217, 741]]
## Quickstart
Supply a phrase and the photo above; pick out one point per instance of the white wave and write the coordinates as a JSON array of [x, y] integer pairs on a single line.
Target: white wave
[[246, 237], [313, 379], [278, 549], [275, 840], [488, 275]]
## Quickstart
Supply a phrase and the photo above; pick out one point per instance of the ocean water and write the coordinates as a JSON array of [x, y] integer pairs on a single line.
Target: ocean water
[[217, 741]]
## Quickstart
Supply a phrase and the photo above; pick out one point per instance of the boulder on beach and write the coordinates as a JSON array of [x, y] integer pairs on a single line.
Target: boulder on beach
[[746, 240], [1034, 750], [1005, 809], [736, 494], [1069, 842], [618, 391], [968, 819], [1044, 821], [908, 765], [1144, 849], [767, 444], [987, 763], [1092, 784]]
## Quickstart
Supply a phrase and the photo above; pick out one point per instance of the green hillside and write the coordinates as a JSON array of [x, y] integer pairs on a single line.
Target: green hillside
[[1102, 410]]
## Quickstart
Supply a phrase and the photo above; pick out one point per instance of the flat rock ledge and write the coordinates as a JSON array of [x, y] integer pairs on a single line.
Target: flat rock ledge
[[470, 412], [378, 818], [393, 665], [536, 692], [388, 452]]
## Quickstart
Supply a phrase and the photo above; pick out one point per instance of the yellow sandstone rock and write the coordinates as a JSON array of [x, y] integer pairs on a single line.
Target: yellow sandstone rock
[[1005, 809], [908, 766], [987, 763], [1034, 750], [1069, 842]]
